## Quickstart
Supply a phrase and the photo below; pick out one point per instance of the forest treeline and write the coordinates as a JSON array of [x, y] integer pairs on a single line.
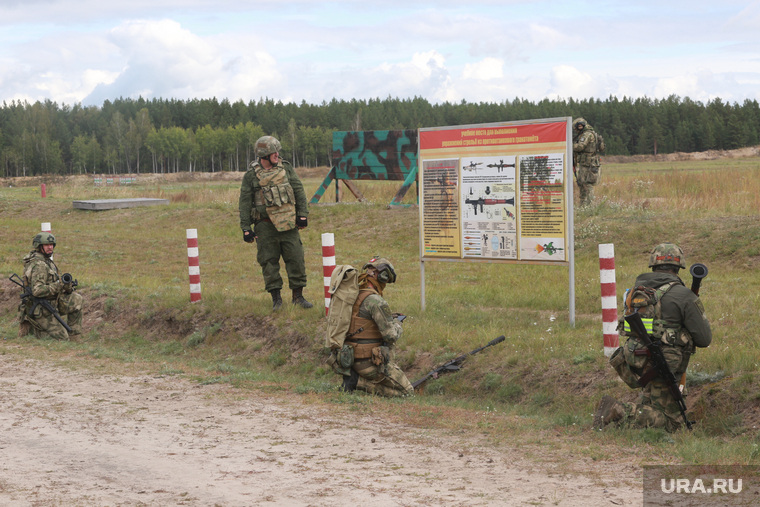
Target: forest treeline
[[167, 135]]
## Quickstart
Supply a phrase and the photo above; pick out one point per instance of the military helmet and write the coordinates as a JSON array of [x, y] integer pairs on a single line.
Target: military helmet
[[581, 122], [385, 271], [43, 238], [266, 145], [667, 253]]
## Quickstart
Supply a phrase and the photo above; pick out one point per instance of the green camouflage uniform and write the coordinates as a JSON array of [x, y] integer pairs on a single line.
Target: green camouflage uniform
[[587, 164], [387, 379], [41, 273], [271, 242], [685, 316]]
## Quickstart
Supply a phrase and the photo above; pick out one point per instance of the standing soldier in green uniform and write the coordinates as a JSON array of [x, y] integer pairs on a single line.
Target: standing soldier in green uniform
[[586, 161], [373, 334], [673, 316], [41, 275], [272, 210]]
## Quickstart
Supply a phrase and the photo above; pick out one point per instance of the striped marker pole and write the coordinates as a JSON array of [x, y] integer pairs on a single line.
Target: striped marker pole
[[193, 264], [609, 297], [328, 264], [46, 227]]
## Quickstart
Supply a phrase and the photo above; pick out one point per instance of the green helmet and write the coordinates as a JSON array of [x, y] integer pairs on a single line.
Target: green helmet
[[385, 271], [581, 122], [43, 238], [667, 253], [266, 145]]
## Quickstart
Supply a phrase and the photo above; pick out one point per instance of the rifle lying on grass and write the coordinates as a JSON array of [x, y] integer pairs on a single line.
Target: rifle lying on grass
[[659, 364], [455, 364], [27, 294]]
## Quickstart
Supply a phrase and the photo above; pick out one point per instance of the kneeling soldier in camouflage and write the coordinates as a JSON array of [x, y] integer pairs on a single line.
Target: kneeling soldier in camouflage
[[43, 282], [373, 334]]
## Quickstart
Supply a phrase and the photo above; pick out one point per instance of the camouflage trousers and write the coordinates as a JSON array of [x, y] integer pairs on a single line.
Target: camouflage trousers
[[273, 244], [46, 326], [587, 176], [384, 380], [656, 408]]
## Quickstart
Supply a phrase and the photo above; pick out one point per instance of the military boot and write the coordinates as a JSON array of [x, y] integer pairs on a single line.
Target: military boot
[[350, 381], [299, 300], [276, 299], [609, 410]]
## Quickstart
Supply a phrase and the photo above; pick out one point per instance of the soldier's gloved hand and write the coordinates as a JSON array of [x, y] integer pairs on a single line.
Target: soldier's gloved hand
[[56, 287], [301, 222], [249, 236]]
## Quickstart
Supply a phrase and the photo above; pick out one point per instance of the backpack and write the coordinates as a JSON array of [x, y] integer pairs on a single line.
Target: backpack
[[343, 290], [600, 146], [648, 302]]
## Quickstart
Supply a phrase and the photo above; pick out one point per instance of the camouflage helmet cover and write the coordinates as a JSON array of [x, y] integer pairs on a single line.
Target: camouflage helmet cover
[[385, 271], [43, 238], [267, 145], [579, 121], [667, 253]]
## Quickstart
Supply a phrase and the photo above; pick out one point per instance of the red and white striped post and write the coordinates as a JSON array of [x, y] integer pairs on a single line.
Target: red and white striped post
[[328, 264], [45, 227], [193, 264], [609, 297]]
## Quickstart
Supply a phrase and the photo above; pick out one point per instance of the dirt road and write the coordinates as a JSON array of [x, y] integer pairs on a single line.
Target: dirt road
[[78, 438]]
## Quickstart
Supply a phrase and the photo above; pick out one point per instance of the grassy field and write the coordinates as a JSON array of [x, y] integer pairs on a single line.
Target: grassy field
[[538, 388]]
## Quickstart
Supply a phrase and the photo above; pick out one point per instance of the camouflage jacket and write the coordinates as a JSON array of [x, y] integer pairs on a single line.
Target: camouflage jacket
[[584, 148], [376, 308], [681, 308], [250, 205], [41, 273]]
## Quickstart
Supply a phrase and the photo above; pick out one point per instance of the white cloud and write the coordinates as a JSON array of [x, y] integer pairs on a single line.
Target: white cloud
[[163, 59], [567, 81], [487, 68]]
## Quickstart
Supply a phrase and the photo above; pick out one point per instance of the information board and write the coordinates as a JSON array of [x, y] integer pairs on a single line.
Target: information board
[[496, 192]]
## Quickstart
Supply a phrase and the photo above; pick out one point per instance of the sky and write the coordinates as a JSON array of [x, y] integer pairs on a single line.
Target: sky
[[88, 51]]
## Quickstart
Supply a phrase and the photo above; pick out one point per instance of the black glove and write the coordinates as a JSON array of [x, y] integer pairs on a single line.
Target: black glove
[[301, 222], [249, 236]]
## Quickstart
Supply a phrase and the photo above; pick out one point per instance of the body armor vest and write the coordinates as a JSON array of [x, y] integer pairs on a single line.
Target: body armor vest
[[277, 195], [364, 333]]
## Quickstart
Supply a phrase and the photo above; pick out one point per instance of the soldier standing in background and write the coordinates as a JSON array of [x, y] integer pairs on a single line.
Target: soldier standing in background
[[272, 198], [587, 145], [41, 275]]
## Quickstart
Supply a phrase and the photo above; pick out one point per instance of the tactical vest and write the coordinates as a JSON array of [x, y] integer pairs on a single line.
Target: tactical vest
[[277, 195], [588, 157], [364, 333]]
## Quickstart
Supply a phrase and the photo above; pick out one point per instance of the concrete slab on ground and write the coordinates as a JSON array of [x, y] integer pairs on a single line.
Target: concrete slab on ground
[[103, 204]]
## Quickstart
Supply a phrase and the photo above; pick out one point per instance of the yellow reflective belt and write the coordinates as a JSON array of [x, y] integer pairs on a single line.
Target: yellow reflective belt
[[648, 325]]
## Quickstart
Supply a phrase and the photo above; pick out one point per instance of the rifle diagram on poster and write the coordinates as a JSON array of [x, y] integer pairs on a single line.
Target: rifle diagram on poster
[[489, 226]]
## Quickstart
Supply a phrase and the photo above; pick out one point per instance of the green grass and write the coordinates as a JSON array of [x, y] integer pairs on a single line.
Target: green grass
[[542, 383]]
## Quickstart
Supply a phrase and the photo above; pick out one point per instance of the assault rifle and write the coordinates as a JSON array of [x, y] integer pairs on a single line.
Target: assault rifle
[[660, 365], [27, 295], [455, 364]]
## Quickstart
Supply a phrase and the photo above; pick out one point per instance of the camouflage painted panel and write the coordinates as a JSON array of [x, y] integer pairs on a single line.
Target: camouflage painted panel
[[375, 154]]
